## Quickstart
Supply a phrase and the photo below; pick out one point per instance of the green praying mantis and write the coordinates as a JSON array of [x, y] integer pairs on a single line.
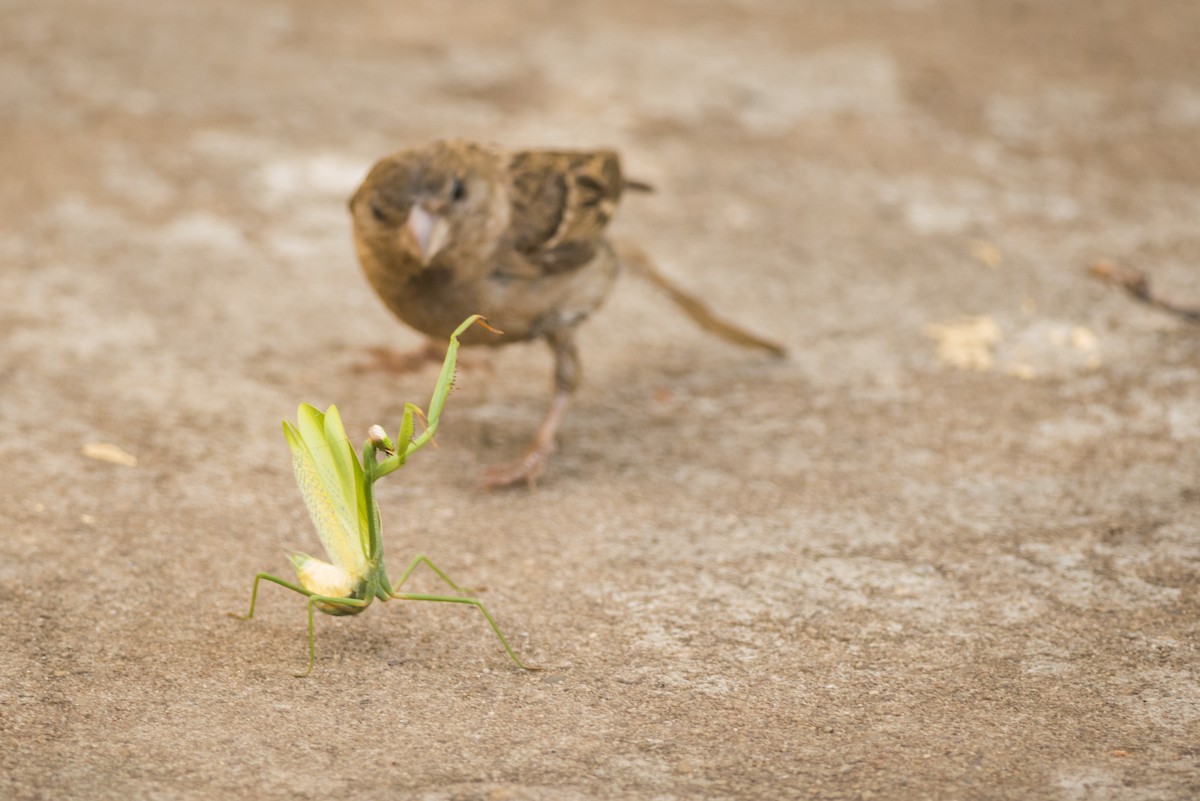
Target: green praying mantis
[[339, 494]]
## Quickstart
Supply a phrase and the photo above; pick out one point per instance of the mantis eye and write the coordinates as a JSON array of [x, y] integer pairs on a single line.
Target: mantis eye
[[458, 190]]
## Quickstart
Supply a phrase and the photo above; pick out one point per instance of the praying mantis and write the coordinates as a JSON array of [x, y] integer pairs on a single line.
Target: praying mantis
[[339, 494]]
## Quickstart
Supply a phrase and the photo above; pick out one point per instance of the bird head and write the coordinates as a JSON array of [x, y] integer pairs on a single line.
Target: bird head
[[426, 202]]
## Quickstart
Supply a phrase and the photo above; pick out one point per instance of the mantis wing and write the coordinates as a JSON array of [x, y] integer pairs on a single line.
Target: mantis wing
[[331, 481]]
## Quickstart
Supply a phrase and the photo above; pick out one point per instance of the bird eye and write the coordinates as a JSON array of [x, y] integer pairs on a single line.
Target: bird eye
[[458, 190], [376, 211]]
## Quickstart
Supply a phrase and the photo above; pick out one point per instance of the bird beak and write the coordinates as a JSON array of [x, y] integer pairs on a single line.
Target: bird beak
[[430, 232]]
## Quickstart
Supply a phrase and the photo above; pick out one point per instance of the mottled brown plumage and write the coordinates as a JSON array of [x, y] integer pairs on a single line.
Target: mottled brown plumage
[[457, 228], [517, 238]]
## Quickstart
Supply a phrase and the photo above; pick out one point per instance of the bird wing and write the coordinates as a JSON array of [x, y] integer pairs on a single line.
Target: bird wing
[[331, 481], [561, 203]]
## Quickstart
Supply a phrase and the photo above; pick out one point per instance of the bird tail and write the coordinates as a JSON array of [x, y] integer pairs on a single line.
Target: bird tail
[[640, 263]]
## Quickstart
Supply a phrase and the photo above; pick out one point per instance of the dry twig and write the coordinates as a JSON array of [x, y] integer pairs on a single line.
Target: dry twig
[[1138, 287]]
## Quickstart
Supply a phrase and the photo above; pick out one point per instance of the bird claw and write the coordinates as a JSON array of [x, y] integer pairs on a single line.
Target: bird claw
[[526, 469], [387, 360]]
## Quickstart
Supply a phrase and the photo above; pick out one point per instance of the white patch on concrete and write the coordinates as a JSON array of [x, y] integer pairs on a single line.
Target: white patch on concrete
[[303, 179]]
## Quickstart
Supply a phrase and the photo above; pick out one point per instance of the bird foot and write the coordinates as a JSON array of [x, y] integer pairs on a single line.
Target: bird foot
[[400, 362], [526, 469]]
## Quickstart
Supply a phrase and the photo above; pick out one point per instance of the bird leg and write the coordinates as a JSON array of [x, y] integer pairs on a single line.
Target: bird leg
[[566, 379]]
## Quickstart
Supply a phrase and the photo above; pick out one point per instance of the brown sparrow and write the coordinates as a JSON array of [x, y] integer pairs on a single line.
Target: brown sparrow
[[457, 228]]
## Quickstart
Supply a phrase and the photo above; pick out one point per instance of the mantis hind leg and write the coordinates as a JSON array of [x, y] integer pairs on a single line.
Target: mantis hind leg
[[422, 559], [455, 599]]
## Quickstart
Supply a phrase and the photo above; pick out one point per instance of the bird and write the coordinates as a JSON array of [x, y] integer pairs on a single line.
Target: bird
[[454, 228]]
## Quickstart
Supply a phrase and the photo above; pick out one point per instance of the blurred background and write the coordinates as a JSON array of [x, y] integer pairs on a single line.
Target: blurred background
[[947, 548]]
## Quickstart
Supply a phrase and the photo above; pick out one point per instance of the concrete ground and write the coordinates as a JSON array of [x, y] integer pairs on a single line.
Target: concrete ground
[[948, 549]]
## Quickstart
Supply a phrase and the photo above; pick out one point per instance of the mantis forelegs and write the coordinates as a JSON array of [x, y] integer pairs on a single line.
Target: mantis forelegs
[[436, 403]]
